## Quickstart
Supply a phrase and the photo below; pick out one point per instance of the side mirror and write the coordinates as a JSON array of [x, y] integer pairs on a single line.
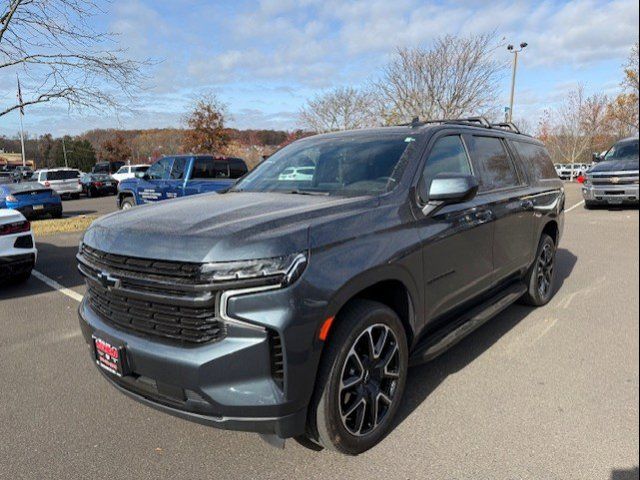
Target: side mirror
[[595, 157], [446, 189]]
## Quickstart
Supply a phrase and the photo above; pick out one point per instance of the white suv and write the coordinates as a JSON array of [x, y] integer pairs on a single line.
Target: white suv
[[17, 247], [64, 181]]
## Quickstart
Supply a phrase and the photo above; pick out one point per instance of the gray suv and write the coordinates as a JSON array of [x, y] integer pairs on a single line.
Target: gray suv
[[294, 307]]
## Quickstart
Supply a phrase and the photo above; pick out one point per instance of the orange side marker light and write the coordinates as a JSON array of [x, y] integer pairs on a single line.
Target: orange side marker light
[[324, 330]]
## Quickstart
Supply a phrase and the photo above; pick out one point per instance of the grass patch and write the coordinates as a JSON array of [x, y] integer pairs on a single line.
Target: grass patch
[[42, 228]]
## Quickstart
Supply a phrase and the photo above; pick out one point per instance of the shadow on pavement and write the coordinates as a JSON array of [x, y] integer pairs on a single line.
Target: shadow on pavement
[[424, 379], [54, 261], [632, 474]]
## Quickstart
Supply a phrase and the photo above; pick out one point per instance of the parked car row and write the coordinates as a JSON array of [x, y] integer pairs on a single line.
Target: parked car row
[[569, 171]]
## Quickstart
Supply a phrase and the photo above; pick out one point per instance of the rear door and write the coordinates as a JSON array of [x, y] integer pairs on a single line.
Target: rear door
[[458, 239], [505, 192]]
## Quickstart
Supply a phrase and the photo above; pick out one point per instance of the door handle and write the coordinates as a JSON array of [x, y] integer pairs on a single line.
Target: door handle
[[484, 216]]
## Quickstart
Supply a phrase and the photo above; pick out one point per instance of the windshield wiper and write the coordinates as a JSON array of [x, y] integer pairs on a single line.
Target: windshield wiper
[[307, 192]]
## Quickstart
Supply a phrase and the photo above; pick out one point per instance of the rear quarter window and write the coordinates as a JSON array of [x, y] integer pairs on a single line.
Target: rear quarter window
[[536, 159]]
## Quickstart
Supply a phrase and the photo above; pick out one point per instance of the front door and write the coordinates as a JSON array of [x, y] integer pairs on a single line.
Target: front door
[[154, 186], [457, 240]]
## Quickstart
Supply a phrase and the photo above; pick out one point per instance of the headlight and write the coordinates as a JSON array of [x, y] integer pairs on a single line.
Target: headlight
[[284, 270], [587, 181], [11, 198]]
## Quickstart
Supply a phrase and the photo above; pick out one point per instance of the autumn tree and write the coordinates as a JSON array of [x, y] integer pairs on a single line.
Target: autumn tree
[[623, 111], [115, 149], [60, 55], [206, 131], [456, 76], [343, 108]]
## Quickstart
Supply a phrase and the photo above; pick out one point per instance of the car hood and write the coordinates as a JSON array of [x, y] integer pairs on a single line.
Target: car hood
[[213, 227], [626, 165]]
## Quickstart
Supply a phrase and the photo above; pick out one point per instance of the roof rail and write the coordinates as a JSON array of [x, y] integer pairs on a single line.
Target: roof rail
[[469, 121], [507, 126], [472, 121]]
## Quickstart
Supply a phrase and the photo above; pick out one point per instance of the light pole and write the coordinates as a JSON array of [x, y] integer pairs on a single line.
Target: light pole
[[515, 52]]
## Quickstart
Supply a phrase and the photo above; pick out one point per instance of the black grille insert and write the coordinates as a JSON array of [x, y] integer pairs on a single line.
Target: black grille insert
[[187, 325]]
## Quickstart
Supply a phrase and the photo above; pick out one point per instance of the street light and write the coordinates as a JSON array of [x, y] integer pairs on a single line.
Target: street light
[[515, 52]]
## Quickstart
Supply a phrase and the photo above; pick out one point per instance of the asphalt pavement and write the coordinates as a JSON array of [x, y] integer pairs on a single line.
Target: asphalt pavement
[[536, 393]]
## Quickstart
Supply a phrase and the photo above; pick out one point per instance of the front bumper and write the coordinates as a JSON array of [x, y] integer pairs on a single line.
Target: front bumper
[[611, 194], [227, 384]]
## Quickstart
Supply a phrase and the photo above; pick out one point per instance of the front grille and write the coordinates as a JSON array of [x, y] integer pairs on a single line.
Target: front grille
[[180, 272], [615, 180], [151, 298], [170, 322]]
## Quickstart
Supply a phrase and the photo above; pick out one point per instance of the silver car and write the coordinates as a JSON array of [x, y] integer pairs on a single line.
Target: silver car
[[64, 181]]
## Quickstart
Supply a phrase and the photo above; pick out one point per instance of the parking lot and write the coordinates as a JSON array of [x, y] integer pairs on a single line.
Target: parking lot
[[547, 393]]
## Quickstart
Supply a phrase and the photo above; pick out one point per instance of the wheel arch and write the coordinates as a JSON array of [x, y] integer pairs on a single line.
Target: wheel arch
[[393, 287]]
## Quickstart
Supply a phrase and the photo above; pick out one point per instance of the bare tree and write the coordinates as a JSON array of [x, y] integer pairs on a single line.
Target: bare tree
[[343, 108], [457, 76], [60, 55], [571, 131]]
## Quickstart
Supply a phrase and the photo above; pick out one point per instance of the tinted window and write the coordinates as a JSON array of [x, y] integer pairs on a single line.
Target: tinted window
[[496, 168], [222, 168], [536, 159], [62, 175], [161, 169], [344, 164], [178, 170], [203, 169], [447, 156], [237, 168]]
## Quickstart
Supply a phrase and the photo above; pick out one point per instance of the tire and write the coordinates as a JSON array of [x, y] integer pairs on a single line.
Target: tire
[[589, 205], [338, 419], [540, 278], [127, 203], [90, 192]]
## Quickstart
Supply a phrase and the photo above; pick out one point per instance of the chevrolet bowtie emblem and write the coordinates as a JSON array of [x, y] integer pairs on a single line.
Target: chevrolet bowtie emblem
[[108, 281], [615, 180]]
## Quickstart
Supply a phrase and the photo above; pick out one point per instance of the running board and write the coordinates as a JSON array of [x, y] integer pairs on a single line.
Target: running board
[[445, 338]]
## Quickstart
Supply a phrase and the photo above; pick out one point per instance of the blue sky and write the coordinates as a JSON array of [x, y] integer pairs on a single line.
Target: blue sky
[[265, 57]]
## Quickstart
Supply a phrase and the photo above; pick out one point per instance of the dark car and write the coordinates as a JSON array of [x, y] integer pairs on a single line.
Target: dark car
[[31, 199], [293, 308], [107, 168], [6, 177], [96, 184]]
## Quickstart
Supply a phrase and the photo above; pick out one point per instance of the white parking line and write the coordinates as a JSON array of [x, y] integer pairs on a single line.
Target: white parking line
[[579, 204], [56, 286]]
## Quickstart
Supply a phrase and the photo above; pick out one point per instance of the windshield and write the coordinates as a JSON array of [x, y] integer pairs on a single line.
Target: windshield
[[622, 151], [346, 164]]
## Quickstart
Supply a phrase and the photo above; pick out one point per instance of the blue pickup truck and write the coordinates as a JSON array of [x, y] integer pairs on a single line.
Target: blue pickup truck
[[179, 176]]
